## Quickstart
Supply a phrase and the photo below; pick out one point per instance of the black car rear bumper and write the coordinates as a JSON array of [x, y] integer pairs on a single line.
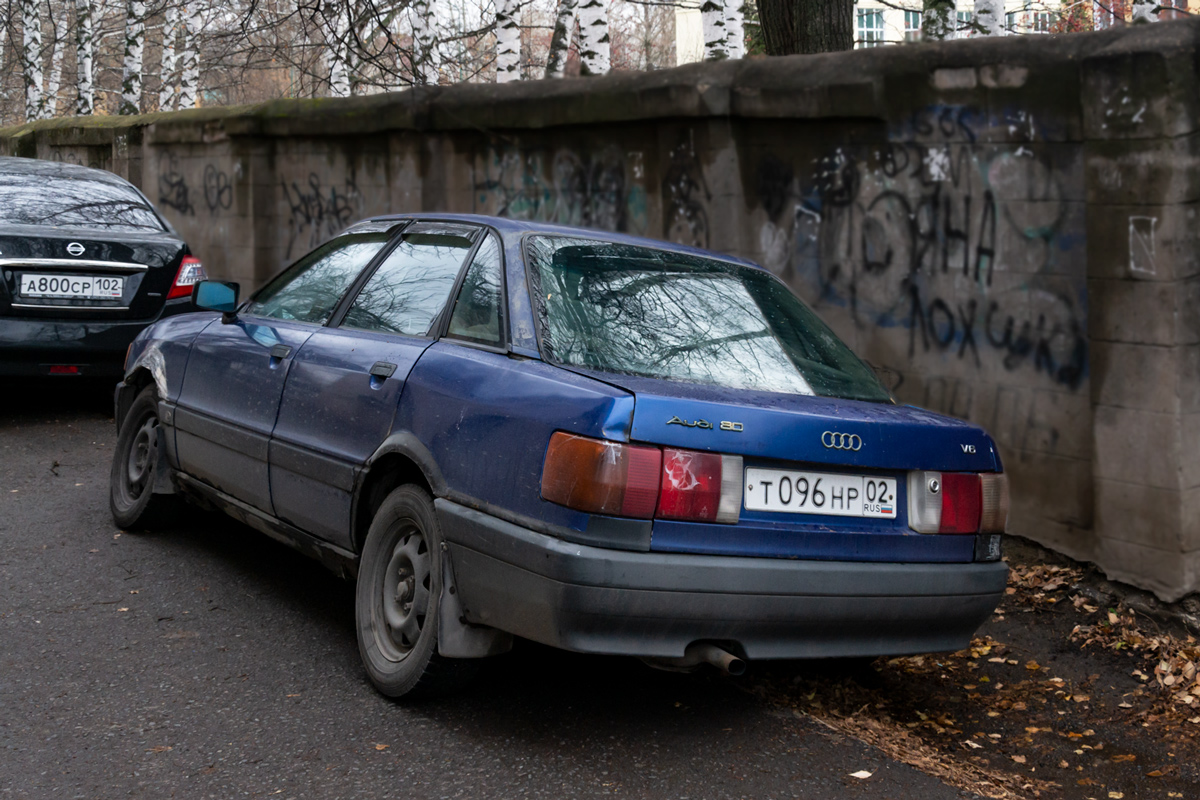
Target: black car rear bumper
[[30, 346], [595, 600]]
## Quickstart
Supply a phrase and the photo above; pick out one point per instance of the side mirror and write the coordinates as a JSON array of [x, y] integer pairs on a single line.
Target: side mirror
[[217, 296]]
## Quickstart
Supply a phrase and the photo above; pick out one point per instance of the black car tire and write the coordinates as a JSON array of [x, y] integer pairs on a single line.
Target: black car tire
[[397, 600], [131, 495]]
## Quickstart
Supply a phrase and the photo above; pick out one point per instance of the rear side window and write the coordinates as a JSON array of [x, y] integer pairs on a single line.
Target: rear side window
[[476, 314], [639, 311], [308, 290], [411, 286], [58, 201]]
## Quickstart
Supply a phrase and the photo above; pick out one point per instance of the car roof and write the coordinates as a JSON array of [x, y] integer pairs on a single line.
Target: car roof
[[516, 227], [14, 165]]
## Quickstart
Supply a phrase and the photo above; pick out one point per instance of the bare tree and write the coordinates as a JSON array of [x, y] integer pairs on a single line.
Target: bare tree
[[31, 59], [189, 61], [58, 19], [1144, 11], [715, 29], [135, 42], [166, 69], [735, 26], [594, 40], [564, 28], [989, 17], [806, 26], [508, 41], [85, 53], [938, 20]]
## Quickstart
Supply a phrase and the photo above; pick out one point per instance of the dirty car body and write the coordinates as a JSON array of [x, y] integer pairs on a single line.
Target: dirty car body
[[86, 263], [630, 447]]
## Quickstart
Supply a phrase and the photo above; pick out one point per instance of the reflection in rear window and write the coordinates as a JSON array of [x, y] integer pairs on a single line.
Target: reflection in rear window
[[640, 311], [56, 201]]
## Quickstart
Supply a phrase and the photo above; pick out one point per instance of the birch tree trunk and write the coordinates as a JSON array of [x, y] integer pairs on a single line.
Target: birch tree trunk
[[85, 53], [339, 59], [508, 41], [425, 59], [54, 81], [1144, 11], [135, 40], [595, 48], [189, 56], [560, 41], [31, 59], [938, 20], [989, 16], [166, 70], [735, 27], [716, 33], [806, 26]]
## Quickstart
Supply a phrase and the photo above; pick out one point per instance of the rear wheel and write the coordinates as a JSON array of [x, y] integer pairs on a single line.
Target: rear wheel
[[135, 465], [397, 600]]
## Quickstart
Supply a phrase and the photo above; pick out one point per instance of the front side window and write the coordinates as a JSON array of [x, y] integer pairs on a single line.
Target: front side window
[[308, 290], [59, 201], [410, 288], [476, 314], [640, 311]]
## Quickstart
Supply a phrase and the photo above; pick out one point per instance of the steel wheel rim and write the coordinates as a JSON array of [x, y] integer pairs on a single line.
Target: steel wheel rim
[[139, 459], [402, 594]]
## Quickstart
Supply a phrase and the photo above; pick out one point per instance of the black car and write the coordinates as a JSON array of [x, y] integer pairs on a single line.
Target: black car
[[86, 262]]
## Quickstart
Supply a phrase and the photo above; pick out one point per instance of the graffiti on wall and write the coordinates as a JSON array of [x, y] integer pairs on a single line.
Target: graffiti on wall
[[316, 211], [603, 189], [956, 243]]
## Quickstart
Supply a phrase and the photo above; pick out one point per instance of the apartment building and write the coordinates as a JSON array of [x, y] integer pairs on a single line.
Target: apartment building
[[879, 22]]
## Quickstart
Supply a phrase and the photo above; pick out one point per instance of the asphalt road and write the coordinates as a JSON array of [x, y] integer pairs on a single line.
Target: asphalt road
[[212, 662]]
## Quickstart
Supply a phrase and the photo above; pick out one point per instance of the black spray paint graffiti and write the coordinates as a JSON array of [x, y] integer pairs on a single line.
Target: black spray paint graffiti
[[173, 189], [912, 235], [317, 212], [597, 190], [218, 191]]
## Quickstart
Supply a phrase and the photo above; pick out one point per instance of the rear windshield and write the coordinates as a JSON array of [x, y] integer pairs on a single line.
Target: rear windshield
[[56, 201], [640, 311]]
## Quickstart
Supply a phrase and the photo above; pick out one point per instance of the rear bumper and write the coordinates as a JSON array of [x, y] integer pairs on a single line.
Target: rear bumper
[[595, 600], [29, 346]]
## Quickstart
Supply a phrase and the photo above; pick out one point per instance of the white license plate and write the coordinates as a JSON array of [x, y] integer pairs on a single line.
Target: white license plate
[[75, 287], [819, 493]]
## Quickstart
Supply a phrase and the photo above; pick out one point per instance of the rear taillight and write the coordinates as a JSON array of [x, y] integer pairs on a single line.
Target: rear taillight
[[601, 477], [191, 272], [640, 481], [703, 487], [957, 502]]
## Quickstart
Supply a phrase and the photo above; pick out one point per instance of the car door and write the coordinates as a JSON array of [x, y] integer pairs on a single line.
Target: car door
[[345, 382], [236, 371]]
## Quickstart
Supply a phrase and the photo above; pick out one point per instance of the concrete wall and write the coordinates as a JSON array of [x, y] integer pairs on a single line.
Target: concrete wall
[[1006, 228]]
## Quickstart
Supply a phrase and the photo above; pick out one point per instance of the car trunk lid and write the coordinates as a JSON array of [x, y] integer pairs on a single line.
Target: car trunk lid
[[77, 274]]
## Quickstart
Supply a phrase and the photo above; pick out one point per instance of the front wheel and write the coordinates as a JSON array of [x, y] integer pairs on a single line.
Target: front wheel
[[397, 600], [135, 465]]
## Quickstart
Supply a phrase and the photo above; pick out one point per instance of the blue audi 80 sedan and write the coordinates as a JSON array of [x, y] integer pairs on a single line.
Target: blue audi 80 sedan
[[602, 443], [86, 263]]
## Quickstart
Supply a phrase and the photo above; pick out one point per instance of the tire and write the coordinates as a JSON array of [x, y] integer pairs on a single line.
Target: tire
[[131, 495], [397, 600]]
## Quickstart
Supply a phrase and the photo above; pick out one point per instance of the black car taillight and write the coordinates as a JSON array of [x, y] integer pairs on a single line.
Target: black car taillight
[[191, 272]]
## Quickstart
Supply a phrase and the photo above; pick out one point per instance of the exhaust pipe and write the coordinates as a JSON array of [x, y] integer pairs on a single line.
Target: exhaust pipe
[[711, 654], [698, 653]]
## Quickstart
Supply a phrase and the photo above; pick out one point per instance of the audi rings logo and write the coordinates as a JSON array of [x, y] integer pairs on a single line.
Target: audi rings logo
[[75, 249], [841, 441]]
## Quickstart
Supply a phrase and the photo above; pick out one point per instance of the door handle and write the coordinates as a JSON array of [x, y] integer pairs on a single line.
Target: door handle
[[383, 370], [281, 351]]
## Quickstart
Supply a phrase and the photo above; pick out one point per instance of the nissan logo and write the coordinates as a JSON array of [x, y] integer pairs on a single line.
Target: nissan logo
[[841, 441], [75, 249]]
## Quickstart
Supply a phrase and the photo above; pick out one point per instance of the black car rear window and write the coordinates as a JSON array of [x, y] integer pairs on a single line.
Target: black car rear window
[[640, 311], [59, 201]]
